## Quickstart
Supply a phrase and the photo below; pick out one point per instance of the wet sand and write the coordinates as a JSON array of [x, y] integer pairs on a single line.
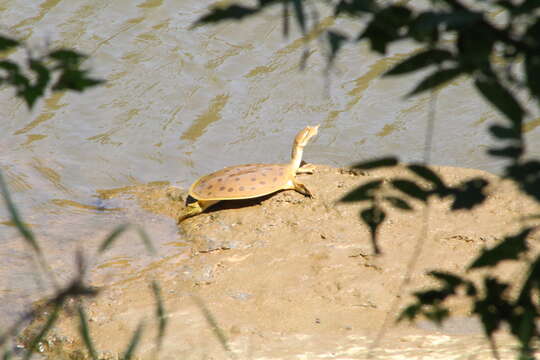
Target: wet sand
[[293, 277]]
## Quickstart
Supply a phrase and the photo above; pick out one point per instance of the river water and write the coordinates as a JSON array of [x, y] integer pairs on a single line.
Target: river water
[[181, 102]]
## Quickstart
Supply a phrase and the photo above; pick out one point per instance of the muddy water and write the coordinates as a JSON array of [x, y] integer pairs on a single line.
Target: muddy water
[[179, 103]]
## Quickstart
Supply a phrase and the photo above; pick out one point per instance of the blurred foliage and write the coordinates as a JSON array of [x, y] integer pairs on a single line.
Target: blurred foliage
[[59, 70], [56, 70], [502, 59]]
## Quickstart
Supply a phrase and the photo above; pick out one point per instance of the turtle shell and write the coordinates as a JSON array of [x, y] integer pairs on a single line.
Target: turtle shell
[[241, 182]]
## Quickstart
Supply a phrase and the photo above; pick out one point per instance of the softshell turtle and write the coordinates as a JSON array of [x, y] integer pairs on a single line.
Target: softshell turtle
[[250, 180]]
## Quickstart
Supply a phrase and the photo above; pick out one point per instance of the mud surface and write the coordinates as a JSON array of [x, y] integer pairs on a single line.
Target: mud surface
[[293, 277]]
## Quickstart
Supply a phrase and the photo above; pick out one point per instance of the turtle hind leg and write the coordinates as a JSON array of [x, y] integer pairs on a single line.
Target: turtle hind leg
[[190, 210], [195, 208]]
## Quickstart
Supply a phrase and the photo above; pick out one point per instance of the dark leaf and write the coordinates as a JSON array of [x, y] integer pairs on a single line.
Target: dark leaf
[[469, 194], [85, 334], [420, 61], [433, 296], [512, 152], [410, 312], [373, 217], [7, 43], [527, 175], [427, 174], [33, 92], [532, 69], [211, 320], [24, 230], [438, 78], [386, 27], [493, 309], [285, 18], [135, 339], [437, 314], [232, 12], [51, 320], [450, 280], [355, 7], [112, 237], [75, 79], [378, 163], [67, 58], [336, 40], [508, 249], [501, 98], [532, 282], [160, 313], [398, 203], [503, 132], [410, 188], [426, 26], [299, 14], [363, 192], [475, 44], [146, 240]]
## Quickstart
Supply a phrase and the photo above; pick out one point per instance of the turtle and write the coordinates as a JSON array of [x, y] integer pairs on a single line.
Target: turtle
[[250, 180]]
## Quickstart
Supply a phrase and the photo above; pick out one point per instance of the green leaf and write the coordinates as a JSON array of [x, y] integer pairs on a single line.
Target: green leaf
[[85, 333], [398, 203], [26, 233], [420, 61], [7, 43], [51, 320], [373, 217], [436, 79], [377, 163], [500, 98], [135, 339], [363, 192], [410, 188], [232, 12], [508, 249], [160, 313], [112, 237], [469, 194]]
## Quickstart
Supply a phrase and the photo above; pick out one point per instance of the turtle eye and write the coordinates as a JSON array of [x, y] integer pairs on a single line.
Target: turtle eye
[[190, 200]]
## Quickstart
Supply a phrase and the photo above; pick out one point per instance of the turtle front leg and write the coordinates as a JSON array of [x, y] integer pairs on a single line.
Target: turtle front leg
[[306, 169], [302, 189]]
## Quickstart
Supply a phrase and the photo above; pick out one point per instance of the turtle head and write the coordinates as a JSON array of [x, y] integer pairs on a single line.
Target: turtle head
[[300, 141], [305, 135]]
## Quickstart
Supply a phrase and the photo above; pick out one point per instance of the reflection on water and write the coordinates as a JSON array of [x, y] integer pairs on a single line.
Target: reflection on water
[[179, 103]]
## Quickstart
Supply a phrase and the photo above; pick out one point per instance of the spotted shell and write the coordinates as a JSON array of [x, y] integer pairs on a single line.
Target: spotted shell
[[241, 182]]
